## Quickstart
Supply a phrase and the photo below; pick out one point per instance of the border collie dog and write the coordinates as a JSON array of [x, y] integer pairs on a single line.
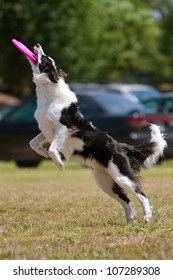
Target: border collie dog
[[115, 165]]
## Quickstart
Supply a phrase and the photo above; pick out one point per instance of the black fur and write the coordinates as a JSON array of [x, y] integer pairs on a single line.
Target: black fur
[[46, 66], [115, 165], [128, 158], [101, 147], [72, 117], [117, 190]]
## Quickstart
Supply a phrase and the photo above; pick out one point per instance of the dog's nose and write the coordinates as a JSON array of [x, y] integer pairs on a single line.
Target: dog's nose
[[38, 45]]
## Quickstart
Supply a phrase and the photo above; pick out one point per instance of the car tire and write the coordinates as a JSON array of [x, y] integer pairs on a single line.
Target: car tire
[[22, 163]]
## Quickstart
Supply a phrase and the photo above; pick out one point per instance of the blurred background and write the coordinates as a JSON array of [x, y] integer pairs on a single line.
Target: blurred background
[[100, 41], [117, 56]]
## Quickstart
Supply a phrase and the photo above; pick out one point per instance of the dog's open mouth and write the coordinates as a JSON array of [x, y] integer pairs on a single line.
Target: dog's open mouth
[[38, 51], [35, 52]]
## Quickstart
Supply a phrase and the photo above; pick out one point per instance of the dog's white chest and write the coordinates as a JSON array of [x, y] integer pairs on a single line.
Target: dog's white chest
[[46, 126]]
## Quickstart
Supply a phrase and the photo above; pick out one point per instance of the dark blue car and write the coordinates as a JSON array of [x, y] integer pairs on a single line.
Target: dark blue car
[[124, 119]]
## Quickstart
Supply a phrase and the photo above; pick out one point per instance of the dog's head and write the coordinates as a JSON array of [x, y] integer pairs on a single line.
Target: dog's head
[[46, 65]]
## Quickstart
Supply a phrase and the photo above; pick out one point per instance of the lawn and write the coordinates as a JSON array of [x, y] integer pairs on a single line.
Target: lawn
[[48, 214]]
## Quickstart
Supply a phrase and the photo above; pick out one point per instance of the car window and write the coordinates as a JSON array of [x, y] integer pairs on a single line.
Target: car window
[[160, 106], [5, 111], [152, 105], [117, 104], [144, 94], [168, 106], [25, 112], [88, 106]]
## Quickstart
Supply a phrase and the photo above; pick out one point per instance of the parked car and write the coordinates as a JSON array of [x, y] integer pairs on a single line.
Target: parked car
[[133, 126], [162, 105], [162, 108], [139, 91], [121, 117], [17, 128], [5, 110], [109, 112]]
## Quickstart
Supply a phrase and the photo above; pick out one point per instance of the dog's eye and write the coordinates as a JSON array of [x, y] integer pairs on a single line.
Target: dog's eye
[[44, 68]]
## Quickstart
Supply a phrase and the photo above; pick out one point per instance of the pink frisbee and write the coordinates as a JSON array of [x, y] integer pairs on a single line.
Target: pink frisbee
[[21, 47]]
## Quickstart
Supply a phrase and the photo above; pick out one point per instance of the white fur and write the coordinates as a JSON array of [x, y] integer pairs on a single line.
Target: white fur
[[123, 181], [52, 98], [105, 182], [158, 138], [147, 208], [127, 185]]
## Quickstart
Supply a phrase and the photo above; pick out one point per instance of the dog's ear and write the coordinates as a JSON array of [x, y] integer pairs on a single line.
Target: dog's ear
[[53, 76], [61, 73], [52, 73], [47, 66]]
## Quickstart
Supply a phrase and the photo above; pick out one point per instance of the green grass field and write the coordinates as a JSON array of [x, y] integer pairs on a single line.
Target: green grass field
[[47, 214]]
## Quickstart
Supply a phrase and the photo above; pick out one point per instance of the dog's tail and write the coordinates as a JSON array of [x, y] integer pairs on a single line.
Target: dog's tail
[[148, 153], [158, 144]]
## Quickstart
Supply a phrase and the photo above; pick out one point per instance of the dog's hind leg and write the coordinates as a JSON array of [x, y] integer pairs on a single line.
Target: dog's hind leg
[[107, 184], [129, 184], [37, 145], [147, 208], [125, 203]]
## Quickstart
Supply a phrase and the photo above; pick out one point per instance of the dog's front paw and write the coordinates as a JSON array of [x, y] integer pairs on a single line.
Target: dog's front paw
[[61, 166], [55, 156], [44, 152]]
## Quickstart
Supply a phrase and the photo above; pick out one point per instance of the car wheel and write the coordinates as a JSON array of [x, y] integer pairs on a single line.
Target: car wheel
[[22, 163]]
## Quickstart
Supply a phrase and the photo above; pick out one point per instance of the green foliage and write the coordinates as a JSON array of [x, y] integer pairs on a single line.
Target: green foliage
[[91, 40]]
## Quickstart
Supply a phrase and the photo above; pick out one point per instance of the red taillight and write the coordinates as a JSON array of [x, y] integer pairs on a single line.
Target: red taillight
[[137, 121], [140, 121]]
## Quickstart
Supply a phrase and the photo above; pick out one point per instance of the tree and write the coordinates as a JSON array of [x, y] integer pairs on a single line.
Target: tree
[[90, 40]]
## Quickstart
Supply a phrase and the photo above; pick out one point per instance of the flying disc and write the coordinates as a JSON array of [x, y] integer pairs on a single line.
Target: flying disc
[[21, 47]]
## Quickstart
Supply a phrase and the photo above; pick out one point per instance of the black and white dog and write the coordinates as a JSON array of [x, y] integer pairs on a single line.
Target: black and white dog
[[115, 165]]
